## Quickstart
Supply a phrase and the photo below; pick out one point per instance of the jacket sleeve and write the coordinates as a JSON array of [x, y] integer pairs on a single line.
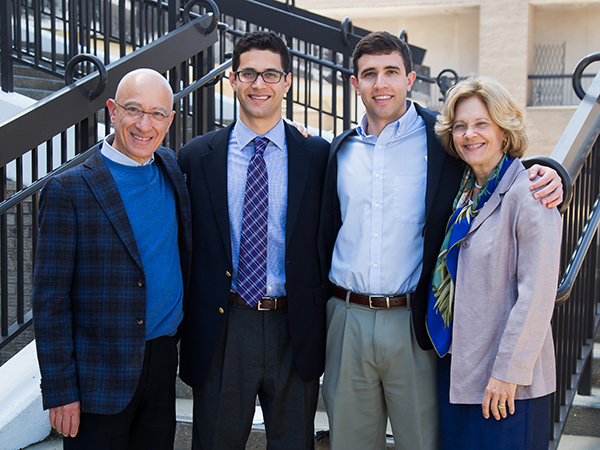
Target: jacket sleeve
[[52, 308], [538, 235]]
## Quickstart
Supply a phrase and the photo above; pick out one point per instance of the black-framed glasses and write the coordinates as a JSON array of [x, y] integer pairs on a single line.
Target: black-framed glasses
[[137, 113], [268, 76], [460, 129]]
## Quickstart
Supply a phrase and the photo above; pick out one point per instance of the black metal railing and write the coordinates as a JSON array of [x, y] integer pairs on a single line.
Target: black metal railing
[[73, 119], [46, 34], [577, 313], [67, 124], [556, 90]]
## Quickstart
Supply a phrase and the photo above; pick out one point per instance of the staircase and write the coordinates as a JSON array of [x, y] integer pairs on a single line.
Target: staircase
[[582, 429], [34, 83]]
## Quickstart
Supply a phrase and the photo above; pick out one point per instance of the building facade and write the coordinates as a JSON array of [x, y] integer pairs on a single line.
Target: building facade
[[510, 40]]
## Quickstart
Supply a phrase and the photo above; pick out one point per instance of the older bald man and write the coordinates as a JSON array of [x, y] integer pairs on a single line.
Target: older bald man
[[110, 277]]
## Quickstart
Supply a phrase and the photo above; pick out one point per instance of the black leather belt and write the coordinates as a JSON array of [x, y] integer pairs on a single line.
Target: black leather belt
[[264, 304], [372, 301]]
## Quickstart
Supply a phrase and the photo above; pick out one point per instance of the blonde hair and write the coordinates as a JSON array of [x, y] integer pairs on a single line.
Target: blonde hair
[[501, 106]]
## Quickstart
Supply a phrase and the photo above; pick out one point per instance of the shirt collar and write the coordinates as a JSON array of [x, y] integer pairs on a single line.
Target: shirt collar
[[397, 128], [120, 158], [244, 135]]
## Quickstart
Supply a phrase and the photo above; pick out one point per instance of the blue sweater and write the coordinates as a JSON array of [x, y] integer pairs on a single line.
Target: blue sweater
[[149, 200]]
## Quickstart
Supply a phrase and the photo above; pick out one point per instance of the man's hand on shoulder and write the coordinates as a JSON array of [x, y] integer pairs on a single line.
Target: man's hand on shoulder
[[548, 187], [65, 418]]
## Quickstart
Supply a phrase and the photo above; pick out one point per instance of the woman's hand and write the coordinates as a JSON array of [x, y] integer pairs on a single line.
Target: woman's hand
[[499, 396]]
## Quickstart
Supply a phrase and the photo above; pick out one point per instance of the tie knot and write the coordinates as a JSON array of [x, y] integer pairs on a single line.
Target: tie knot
[[260, 144]]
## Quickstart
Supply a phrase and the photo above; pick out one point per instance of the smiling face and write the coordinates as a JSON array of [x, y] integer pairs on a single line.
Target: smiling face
[[138, 138], [260, 102], [383, 84], [481, 150]]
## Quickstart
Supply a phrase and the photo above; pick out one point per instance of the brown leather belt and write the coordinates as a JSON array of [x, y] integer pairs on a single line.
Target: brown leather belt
[[264, 304], [372, 301]]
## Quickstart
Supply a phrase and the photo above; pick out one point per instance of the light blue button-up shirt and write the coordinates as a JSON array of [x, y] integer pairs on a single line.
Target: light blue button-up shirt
[[381, 186], [241, 149]]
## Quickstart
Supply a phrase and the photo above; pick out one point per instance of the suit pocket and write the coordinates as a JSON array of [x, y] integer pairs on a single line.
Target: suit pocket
[[315, 189]]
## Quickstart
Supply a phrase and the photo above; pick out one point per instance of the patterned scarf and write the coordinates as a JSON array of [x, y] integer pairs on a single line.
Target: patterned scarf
[[441, 287]]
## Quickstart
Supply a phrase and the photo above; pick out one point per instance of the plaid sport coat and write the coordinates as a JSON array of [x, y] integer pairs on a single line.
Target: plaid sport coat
[[89, 295]]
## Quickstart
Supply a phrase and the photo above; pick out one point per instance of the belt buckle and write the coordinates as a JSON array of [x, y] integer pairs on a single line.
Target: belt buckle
[[259, 305], [387, 301]]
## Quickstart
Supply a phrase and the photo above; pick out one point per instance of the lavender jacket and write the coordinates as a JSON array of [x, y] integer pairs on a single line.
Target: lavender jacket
[[505, 290]]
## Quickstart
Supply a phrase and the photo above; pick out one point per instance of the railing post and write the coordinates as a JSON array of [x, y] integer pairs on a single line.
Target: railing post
[[6, 46], [347, 96], [122, 32], [73, 32], [173, 15]]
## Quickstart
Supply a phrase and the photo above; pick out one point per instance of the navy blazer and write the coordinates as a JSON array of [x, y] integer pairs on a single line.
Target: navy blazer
[[203, 160], [89, 294], [444, 173]]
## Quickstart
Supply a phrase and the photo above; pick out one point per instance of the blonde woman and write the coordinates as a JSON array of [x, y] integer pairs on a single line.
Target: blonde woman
[[492, 292]]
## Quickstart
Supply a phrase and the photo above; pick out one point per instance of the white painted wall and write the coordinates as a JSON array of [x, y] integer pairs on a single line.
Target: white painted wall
[[22, 419]]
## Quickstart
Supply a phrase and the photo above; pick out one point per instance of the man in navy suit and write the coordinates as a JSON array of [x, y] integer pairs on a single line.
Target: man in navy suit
[[388, 194], [111, 270], [238, 345]]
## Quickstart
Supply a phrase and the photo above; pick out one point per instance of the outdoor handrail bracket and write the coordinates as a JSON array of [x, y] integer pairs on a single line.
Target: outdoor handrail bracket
[[442, 81], [578, 72], [185, 15], [92, 95], [346, 28]]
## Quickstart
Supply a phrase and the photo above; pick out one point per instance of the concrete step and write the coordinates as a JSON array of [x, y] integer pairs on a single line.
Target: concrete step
[[581, 432], [584, 415], [34, 83]]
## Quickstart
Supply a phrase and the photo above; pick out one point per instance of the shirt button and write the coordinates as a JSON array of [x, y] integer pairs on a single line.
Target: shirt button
[[376, 175], [380, 146], [221, 311], [375, 265], [376, 234], [465, 244], [140, 282], [139, 321], [376, 205], [228, 273]]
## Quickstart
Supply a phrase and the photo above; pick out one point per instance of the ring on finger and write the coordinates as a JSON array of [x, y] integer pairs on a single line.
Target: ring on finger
[[501, 405]]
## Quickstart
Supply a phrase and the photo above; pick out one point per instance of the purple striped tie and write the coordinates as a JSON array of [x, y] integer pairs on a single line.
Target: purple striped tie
[[252, 266]]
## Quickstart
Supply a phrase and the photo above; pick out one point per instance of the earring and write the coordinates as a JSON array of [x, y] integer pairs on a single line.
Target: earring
[[504, 145]]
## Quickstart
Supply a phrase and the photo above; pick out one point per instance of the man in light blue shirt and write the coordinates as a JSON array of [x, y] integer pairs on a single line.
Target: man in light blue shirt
[[390, 186]]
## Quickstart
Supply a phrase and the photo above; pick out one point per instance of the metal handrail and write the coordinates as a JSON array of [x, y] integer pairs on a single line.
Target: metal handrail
[[183, 43], [583, 245], [39, 184]]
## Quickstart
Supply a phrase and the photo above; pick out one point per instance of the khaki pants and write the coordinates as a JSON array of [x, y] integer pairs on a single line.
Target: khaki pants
[[374, 369]]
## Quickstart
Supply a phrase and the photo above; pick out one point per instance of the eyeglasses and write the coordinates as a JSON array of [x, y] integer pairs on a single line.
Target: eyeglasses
[[268, 76], [137, 113], [460, 129]]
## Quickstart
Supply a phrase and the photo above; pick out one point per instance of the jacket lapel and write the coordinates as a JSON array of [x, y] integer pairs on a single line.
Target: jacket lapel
[[214, 164], [172, 170], [495, 199], [104, 188], [435, 159], [299, 159]]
